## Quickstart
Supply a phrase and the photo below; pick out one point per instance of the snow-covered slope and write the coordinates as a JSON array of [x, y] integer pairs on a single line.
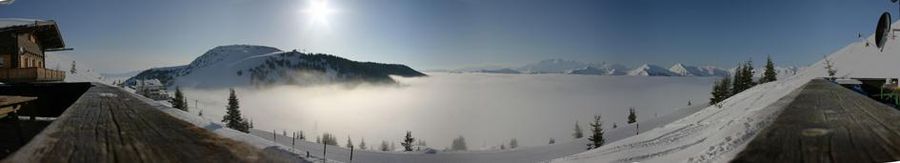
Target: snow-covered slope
[[588, 70], [716, 134], [252, 65], [651, 70], [63, 62]]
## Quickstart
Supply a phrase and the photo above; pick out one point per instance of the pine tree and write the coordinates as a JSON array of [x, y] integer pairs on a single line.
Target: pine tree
[[769, 75], [596, 137], [459, 144], [349, 142], [301, 136], [743, 78], [632, 117], [233, 118], [578, 134], [513, 143], [721, 90], [408, 142], [179, 102], [384, 146], [552, 141], [73, 70], [829, 67], [362, 144]]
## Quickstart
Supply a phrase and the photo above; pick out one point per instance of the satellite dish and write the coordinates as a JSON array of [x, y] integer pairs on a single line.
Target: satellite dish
[[882, 30]]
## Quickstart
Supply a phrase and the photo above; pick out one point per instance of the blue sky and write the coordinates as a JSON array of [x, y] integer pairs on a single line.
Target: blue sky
[[127, 35]]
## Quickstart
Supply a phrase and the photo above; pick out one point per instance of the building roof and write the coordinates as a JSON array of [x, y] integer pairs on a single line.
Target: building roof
[[46, 31]]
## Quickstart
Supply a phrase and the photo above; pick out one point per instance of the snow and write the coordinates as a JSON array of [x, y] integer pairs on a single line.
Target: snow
[[522, 154], [9, 22], [650, 70], [588, 70], [63, 62], [717, 134]]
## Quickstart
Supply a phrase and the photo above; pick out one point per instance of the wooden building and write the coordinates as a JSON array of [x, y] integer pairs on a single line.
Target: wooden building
[[22, 46]]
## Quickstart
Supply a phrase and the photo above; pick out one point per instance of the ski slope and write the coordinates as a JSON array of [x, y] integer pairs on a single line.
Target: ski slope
[[717, 134]]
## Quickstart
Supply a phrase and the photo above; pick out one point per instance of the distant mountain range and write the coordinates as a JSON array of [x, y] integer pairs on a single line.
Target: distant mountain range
[[243, 65], [575, 67]]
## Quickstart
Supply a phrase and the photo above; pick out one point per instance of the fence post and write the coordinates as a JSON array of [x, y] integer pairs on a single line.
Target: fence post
[[351, 154], [324, 151]]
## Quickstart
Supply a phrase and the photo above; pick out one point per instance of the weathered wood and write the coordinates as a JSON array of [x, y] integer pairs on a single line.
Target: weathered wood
[[9, 104], [107, 124], [828, 123]]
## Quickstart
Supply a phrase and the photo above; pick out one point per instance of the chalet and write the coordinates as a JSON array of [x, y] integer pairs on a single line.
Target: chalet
[[152, 89], [23, 43]]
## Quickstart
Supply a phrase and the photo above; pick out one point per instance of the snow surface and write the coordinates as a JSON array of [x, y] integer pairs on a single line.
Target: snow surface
[[522, 154], [717, 134], [63, 62], [9, 22]]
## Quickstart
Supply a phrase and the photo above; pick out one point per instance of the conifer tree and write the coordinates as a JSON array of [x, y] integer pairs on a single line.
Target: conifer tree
[[179, 102], [233, 118], [362, 144], [384, 146], [578, 134], [459, 144], [632, 118], [349, 142], [596, 137], [73, 70], [769, 75], [552, 141], [829, 67], [408, 142], [721, 90], [513, 143]]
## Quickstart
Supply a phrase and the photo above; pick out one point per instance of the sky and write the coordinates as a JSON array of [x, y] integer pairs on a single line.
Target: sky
[[129, 35]]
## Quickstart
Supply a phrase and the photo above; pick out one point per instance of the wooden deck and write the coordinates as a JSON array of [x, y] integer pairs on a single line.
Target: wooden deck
[[828, 123], [107, 124]]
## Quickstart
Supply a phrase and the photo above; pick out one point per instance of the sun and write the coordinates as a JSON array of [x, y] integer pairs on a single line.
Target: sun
[[319, 12]]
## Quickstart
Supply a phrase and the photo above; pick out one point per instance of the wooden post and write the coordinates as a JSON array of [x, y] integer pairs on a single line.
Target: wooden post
[[274, 136], [324, 151], [351, 154]]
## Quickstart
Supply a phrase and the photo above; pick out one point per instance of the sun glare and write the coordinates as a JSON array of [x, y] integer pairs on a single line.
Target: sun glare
[[319, 12]]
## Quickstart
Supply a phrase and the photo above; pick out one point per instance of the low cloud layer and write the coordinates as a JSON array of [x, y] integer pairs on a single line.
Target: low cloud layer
[[487, 109]]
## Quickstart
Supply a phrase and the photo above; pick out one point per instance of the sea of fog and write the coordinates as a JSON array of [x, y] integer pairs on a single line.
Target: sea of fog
[[487, 109]]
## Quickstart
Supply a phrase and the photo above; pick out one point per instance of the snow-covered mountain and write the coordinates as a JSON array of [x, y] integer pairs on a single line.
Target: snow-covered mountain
[[685, 70], [552, 66], [245, 65], [588, 70], [576, 67], [500, 71], [651, 70]]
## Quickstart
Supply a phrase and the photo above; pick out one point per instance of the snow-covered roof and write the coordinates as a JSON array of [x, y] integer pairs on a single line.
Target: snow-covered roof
[[11, 22]]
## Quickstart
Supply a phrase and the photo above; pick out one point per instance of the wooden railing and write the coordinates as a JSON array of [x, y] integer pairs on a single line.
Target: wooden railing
[[31, 74]]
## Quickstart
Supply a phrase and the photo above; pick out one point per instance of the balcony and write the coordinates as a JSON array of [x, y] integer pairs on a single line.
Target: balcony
[[31, 74]]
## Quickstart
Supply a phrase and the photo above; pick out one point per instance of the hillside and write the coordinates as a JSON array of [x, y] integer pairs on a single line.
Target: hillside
[[252, 65], [716, 134]]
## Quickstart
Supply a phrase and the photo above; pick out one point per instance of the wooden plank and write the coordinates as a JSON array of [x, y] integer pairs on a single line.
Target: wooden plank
[[107, 124], [828, 123]]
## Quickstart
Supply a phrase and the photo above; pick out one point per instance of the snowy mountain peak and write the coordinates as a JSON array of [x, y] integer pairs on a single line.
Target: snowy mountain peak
[[587, 70], [230, 53], [650, 70], [252, 65]]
